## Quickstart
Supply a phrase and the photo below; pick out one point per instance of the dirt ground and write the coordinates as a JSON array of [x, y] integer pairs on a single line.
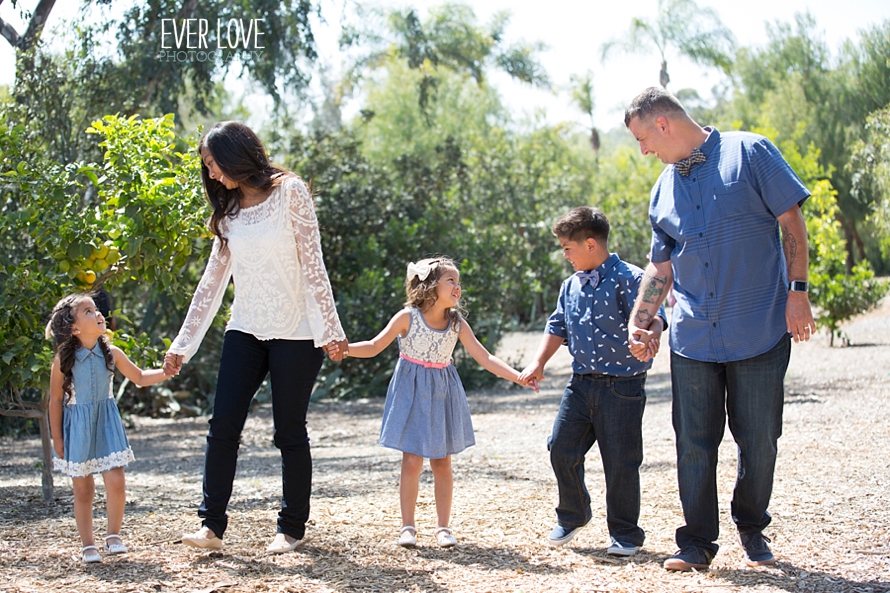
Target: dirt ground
[[830, 505]]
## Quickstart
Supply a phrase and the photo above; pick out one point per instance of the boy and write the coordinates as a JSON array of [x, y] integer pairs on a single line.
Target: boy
[[604, 399]]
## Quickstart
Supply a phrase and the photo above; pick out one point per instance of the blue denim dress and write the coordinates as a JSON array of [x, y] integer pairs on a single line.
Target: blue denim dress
[[93, 433], [426, 411]]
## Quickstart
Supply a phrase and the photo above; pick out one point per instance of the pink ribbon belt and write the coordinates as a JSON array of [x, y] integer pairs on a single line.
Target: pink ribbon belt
[[424, 363]]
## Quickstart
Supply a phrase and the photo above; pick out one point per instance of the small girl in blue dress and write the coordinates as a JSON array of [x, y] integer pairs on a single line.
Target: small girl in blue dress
[[87, 432], [426, 413]]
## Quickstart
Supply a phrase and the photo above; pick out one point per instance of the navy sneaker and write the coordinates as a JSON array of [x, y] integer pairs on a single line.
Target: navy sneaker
[[690, 558], [757, 553], [562, 535]]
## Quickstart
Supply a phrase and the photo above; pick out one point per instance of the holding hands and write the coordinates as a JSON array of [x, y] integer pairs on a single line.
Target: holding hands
[[337, 350], [172, 364], [643, 343]]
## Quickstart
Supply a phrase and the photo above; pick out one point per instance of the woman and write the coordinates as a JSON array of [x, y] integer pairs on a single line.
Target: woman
[[283, 320]]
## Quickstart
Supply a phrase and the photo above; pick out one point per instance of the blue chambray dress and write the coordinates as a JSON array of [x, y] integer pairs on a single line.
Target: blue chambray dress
[[93, 433], [426, 411]]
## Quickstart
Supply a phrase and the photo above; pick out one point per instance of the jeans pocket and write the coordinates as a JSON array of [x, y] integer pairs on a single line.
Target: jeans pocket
[[629, 388]]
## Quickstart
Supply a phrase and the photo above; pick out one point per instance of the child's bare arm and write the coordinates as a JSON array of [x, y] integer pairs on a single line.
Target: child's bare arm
[[56, 397], [397, 326], [489, 361], [535, 370], [134, 373]]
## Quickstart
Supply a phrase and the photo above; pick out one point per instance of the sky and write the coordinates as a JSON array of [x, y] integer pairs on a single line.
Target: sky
[[573, 31]]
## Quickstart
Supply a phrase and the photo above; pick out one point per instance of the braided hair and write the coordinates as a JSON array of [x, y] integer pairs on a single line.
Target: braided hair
[[60, 326]]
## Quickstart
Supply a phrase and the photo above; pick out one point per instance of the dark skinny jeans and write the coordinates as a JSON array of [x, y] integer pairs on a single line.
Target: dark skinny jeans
[[293, 366]]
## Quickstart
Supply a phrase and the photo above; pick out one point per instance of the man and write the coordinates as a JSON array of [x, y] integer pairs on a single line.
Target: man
[[716, 211]]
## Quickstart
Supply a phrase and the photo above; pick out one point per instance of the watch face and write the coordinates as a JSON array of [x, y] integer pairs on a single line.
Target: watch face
[[799, 286]]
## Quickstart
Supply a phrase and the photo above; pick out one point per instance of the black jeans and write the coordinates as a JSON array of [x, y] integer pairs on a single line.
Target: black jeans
[[293, 366]]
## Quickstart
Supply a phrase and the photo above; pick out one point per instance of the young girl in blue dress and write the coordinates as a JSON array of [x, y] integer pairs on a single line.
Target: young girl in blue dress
[[87, 432], [426, 413]]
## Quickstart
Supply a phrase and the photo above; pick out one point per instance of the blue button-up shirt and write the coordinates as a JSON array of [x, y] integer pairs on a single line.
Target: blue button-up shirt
[[592, 318], [718, 228]]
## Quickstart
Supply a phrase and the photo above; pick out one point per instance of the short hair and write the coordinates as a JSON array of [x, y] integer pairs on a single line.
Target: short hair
[[582, 223], [652, 102]]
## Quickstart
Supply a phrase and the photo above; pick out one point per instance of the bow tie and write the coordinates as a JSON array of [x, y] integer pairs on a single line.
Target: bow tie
[[585, 277], [685, 166]]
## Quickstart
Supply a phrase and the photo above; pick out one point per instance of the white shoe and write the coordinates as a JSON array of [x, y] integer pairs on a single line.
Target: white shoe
[[115, 548], [91, 554], [203, 538], [407, 536], [282, 544], [445, 538]]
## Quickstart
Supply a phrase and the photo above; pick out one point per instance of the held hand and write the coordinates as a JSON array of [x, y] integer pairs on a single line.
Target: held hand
[[640, 343], [59, 448], [172, 364], [799, 316], [532, 373], [337, 350]]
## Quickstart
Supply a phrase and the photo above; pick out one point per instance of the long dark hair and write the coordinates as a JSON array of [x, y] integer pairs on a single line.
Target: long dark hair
[[241, 156], [61, 322]]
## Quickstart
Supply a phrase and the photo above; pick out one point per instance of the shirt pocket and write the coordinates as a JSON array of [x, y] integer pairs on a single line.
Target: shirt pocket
[[733, 199]]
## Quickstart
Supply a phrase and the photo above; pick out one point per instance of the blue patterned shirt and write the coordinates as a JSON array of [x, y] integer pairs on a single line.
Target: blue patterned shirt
[[719, 230], [592, 318]]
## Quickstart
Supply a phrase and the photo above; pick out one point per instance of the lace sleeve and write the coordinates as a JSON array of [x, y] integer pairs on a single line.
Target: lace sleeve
[[205, 303], [322, 312]]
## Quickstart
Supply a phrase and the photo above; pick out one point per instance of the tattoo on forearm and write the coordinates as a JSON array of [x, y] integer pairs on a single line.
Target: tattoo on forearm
[[653, 288], [644, 317], [790, 244]]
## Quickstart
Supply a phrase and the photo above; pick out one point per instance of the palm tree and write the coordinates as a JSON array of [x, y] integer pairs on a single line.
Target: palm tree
[[582, 97], [694, 32]]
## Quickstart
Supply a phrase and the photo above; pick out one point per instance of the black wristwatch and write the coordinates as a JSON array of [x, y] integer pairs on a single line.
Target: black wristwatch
[[799, 286]]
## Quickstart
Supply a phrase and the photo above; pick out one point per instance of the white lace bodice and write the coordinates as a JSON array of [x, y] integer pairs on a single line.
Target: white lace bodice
[[425, 343], [282, 289]]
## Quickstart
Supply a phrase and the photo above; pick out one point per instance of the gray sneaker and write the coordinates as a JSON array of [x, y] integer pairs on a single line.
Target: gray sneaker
[[617, 548]]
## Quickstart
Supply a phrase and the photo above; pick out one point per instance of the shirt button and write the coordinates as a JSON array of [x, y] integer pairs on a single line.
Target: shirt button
[[698, 207], [707, 264], [715, 324], [701, 234], [712, 294]]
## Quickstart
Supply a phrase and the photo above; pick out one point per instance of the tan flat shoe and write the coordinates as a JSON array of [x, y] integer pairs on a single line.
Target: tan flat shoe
[[203, 538], [282, 544]]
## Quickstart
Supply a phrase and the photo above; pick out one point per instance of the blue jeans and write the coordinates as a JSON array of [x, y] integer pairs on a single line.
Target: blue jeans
[[750, 393], [609, 411], [293, 366]]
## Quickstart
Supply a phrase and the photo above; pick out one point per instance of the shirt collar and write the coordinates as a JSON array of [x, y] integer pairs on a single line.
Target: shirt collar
[[82, 353], [606, 266], [711, 141]]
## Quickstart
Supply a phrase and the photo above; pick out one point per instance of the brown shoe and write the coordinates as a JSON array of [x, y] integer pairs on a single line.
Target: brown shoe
[[689, 558], [203, 538]]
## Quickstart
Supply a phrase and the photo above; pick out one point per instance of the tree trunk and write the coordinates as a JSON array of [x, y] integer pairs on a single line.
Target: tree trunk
[[859, 245], [45, 440], [848, 238]]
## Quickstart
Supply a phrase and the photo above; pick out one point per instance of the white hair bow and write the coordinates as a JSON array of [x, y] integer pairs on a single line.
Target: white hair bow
[[421, 270]]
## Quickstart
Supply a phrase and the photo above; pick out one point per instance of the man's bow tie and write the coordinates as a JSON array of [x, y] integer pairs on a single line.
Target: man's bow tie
[[685, 166]]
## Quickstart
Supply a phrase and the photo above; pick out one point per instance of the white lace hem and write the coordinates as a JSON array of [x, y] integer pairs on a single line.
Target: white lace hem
[[94, 466]]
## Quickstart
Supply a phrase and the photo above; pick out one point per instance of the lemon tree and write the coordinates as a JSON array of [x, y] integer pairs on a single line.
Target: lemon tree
[[72, 227]]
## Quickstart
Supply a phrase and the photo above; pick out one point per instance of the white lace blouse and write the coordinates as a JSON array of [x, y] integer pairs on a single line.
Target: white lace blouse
[[282, 289]]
